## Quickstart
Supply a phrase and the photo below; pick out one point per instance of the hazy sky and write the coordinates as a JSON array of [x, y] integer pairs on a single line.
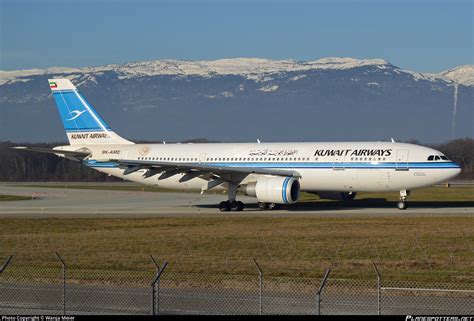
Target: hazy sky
[[427, 36]]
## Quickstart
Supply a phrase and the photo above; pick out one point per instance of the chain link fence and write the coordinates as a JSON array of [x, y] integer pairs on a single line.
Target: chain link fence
[[63, 289]]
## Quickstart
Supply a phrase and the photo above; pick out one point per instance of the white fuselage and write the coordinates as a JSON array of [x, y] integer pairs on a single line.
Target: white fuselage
[[341, 166]]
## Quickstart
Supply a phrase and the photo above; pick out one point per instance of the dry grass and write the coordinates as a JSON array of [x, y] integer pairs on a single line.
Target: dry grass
[[437, 248]]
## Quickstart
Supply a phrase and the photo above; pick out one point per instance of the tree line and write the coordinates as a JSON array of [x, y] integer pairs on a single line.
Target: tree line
[[21, 166]]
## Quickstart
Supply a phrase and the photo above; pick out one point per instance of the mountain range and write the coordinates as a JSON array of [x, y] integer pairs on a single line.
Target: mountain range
[[243, 99]]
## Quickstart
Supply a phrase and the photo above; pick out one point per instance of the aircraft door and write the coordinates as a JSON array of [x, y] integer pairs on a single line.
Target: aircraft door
[[402, 159], [202, 157]]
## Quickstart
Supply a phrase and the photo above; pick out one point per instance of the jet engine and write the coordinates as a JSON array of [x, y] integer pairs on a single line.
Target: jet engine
[[338, 196], [278, 190]]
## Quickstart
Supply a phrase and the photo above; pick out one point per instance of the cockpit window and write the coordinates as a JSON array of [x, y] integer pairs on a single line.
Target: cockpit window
[[431, 157], [444, 157], [437, 157]]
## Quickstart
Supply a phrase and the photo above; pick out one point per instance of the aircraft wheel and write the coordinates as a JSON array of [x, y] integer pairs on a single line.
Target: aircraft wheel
[[224, 206], [267, 206], [402, 205], [272, 206], [262, 206], [236, 206], [240, 206]]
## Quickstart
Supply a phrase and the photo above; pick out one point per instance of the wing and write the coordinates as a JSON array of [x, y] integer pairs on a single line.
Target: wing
[[214, 174]]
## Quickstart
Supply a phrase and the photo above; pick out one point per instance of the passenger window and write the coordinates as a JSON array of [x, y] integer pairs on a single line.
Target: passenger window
[[430, 158]]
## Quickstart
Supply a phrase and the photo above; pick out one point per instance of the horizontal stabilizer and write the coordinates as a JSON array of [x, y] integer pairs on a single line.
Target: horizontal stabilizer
[[80, 154]]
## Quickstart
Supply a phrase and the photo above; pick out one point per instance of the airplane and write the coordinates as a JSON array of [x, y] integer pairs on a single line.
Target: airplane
[[273, 173]]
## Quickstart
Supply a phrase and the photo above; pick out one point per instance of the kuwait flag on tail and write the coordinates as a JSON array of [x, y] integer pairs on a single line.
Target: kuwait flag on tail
[[52, 84]]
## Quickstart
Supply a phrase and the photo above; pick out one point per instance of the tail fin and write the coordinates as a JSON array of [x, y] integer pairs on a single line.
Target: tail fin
[[82, 123]]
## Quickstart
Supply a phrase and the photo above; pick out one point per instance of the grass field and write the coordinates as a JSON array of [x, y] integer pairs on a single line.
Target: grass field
[[6, 198], [412, 248], [422, 248]]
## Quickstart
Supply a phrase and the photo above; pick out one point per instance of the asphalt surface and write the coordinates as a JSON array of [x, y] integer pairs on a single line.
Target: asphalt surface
[[61, 202]]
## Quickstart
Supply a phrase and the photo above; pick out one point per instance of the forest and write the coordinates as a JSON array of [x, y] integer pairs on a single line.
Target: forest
[[20, 166]]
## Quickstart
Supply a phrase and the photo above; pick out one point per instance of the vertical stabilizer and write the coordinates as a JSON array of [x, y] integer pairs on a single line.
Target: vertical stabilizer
[[81, 122]]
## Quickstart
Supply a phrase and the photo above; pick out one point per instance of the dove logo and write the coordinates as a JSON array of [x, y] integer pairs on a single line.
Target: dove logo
[[76, 113]]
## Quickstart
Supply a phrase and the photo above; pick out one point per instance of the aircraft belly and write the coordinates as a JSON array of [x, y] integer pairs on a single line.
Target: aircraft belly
[[345, 180], [365, 180], [329, 180]]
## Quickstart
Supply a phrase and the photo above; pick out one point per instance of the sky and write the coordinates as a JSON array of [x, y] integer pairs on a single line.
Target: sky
[[420, 35]]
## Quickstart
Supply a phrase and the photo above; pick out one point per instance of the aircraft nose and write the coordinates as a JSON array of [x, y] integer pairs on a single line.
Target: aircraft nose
[[454, 171]]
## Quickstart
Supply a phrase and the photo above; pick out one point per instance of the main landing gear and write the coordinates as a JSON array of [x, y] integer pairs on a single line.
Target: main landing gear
[[235, 206], [402, 205], [267, 206], [231, 204]]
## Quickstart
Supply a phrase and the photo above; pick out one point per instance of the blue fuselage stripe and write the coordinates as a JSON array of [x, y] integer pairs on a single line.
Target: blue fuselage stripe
[[313, 165]]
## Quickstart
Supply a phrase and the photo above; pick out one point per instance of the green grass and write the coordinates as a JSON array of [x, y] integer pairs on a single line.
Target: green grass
[[420, 248], [7, 198], [416, 248]]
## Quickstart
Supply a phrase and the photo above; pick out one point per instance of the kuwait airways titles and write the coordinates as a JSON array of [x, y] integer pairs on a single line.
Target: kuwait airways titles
[[350, 152]]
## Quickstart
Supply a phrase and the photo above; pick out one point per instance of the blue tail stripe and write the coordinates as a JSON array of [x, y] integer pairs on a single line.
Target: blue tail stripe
[[76, 113]]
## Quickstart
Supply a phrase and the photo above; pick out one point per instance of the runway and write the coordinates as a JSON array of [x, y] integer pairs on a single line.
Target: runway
[[62, 202]]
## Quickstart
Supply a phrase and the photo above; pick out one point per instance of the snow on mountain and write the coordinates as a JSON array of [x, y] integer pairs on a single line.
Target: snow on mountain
[[367, 98], [256, 69], [251, 68], [462, 75], [268, 89]]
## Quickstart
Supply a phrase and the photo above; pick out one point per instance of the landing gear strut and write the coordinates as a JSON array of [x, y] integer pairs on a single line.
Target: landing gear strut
[[231, 204], [403, 196]]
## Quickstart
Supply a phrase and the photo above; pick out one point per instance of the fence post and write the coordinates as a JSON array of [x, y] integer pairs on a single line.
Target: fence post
[[155, 287], [64, 281], [5, 265], [260, 282], [379, 311], [318, 294]]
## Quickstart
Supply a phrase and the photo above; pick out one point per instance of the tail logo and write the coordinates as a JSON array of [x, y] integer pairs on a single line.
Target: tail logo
[[76, 113], [144, 150]]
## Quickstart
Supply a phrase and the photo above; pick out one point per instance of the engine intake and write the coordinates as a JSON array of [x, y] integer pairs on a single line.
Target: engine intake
[[279, 190]]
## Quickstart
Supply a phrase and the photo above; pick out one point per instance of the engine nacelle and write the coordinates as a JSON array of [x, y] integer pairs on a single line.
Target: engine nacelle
[[278, 190], [338, 196]]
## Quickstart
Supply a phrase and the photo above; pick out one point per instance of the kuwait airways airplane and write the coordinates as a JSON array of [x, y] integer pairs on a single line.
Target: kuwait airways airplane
[[273, 173]]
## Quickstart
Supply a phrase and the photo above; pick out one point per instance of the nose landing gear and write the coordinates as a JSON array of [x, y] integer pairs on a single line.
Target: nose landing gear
[[403, 196]]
